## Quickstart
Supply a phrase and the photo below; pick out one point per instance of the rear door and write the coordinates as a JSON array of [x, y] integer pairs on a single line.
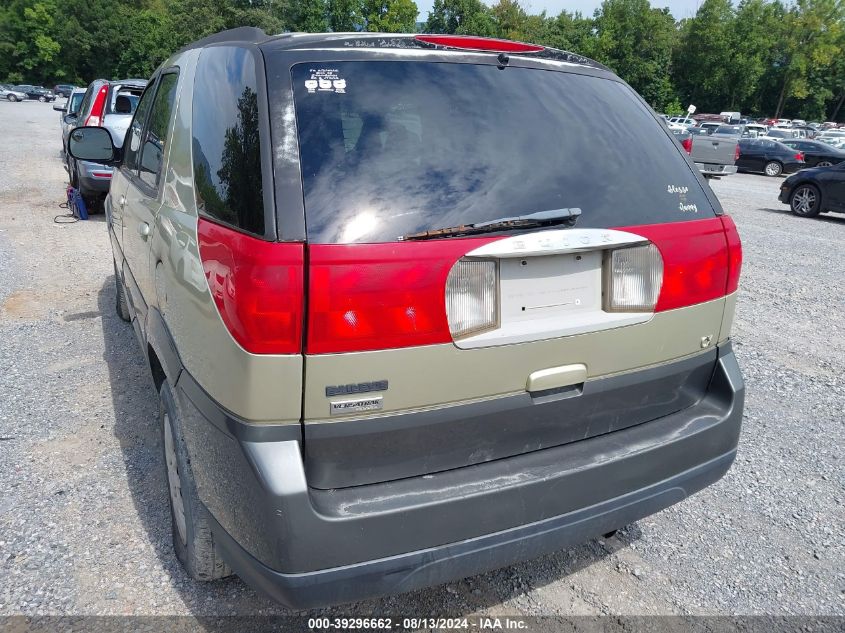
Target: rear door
[[430, 349], [143, 165]]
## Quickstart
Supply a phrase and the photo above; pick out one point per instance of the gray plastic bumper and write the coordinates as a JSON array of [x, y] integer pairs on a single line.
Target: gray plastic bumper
[[306, 547]]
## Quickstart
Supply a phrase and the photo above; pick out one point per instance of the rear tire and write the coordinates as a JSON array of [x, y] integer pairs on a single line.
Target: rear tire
[[121, 306], [824, 163], [12, 98], [42, 99], [192, 539], [805, 201], [773, 168]]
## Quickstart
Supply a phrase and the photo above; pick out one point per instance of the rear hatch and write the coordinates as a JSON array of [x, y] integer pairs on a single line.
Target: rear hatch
[[485, 243], [120, 107]]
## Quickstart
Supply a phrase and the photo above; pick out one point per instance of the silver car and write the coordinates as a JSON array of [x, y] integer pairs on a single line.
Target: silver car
[[10, 94], [69, 111], [107, 104]]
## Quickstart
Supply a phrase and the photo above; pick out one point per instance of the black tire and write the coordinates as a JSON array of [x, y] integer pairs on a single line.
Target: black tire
[[773, 168], [12, 98], [121, 307], [74, 177], [805, 200], [824, 163], [192, 539], [42, 99]]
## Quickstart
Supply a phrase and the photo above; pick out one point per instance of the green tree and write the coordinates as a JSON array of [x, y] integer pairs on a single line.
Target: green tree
[[636, 41], [570, 32], [461, 17], [390, 16], [345, 15], [307, 16]]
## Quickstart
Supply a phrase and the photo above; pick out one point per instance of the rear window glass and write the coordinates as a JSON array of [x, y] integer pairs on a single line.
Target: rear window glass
[[393, 148]]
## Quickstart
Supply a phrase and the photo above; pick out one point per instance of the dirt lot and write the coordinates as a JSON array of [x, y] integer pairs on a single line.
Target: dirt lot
[[84, 522]]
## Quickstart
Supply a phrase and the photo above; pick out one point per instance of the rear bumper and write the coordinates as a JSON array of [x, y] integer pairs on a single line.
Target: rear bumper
[[306, 547], [713, 169], [93, 178]]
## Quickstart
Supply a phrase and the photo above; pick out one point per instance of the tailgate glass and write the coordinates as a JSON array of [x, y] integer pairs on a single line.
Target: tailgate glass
[[389, 148]]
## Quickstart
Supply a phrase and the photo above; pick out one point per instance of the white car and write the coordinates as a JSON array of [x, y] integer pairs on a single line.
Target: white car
[[757, 130], [12, 95]]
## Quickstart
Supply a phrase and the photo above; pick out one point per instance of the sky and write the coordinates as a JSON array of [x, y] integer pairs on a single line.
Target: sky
[[679, 8]]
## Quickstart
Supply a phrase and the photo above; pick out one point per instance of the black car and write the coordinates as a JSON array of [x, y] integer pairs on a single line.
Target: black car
[[814, 191], [816, 153], [63, 90], [39, 93], [770, 157]]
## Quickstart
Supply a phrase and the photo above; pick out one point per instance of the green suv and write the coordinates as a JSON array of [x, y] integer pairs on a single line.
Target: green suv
[[414, 308]]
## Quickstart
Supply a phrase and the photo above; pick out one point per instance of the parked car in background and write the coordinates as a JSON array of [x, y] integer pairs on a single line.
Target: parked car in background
[[63, 90], [708, 126], [107, 104], [731, 117], [816, 153], [69, 115], [756, 130], [39, 93], [814, 191], [770, 157], [9, 93], [486, 382], [830, 135], [714, 157], [779, 134]]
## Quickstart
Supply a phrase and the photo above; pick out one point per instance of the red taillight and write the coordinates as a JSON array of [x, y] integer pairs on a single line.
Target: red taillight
[[736, 153], [96, 116], [101, 174], [695, 260], [800, 157], [480, 43], [257, 287], [378, 296], [687, 145], [734, 253]]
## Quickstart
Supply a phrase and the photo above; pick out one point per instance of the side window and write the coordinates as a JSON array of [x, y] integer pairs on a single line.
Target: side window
[[86, 101], [226, 146], [132, 143], [155, 140]]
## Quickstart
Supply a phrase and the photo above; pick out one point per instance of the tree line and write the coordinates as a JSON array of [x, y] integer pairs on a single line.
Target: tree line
[[762, 57]]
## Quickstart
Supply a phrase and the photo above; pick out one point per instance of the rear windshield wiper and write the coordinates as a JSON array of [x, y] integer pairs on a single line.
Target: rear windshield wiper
[[541, 218]]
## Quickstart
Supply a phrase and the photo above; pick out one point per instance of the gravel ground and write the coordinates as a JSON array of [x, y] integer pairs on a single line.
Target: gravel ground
[[84, 522]]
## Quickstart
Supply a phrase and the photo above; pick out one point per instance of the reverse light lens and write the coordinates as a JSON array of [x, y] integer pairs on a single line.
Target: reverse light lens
[[472, 304], [634, 278]]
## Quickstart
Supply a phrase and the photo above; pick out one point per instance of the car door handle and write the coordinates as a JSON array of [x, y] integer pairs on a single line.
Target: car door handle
[[144, 229]]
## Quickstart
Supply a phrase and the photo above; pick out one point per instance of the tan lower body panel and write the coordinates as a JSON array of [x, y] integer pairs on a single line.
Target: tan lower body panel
[[435, 375]]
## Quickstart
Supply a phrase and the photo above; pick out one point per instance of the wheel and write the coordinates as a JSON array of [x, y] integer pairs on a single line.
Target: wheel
[[74, 177], [805, 201], [773, 168], [824, 163], [192, 538], [121, 306], [12, 98], [42, 99]]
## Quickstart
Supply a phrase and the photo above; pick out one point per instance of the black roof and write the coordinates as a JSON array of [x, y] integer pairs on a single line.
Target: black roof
[[253, 35]]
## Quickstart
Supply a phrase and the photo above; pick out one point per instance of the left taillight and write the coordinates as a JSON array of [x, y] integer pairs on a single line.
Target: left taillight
[[799, 157], [687, 144], [257, 287], [736, 152], [382, 296], [98, 108]]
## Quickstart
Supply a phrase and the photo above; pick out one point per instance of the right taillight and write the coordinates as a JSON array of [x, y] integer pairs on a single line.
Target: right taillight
[[96, 116], [633, 277], [734, 254], [695, 260], [687, 145], [472, 297], [736, 153]]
